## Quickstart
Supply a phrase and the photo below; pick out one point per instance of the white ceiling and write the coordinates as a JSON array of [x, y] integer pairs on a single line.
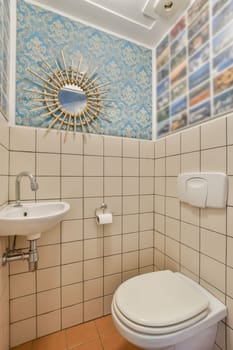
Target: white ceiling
[[124, 18]]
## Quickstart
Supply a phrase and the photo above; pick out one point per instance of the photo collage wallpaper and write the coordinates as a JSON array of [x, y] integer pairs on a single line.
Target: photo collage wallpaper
[[194, 65]]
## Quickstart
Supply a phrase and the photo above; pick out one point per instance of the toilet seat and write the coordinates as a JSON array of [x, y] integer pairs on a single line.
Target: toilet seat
[[159, 303]]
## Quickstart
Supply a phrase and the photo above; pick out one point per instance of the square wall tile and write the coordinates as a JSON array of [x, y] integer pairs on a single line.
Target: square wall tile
[[22, 161], [146, 167], [190, 162], [93, 186], [115, 228], [4, 165], [92, 230], [213, 133], [112, 146], [171, 186], [190, 235], [23, 331], [146, 221], [112, 245], [93, 145], [130, 205], [230, 130], [213, 245], [111, 283], [23, 308], [190, 140], [173, 144], [213, 272], [72, 316], [71, 187], [93, 166], [73, 143], [71, 165], [71, 252], [146, 257], [47, 142], [146, 239], [48, 301], [112, 166], [173, 165], [160, 167], [173, 228], [5, 135], [160, 148], [93, 309], [48, 323], [214, 219], [130, 242], [146, 149], [72, 231], [93, 269], [47, 164], [49, 188], [48, 279], [173, 207], [49, 256], [130, 223], [93, 289], [76, 209], [146, 203], [130, 261], [130, 167], [214, 160], [130, 186], [130, 148], [146, 185], [112, 264], [71, 273], [22, 139], [22, 285], [114, 204], [112, 186], [72, 294], [93, 248]]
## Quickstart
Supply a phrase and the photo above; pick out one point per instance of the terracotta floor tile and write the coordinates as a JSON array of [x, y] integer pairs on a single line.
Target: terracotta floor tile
[[55, 341], [26, 346], [93, 345], [81, 334], [113, 341], [105, 325]]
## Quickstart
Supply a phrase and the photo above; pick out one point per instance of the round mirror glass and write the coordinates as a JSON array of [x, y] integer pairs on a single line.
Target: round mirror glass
[[72, 98]]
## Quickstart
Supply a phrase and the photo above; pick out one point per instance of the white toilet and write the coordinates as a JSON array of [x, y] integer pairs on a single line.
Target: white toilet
[[166, 310]]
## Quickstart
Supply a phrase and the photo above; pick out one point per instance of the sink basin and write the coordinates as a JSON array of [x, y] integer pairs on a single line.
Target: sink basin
[[31, 219]]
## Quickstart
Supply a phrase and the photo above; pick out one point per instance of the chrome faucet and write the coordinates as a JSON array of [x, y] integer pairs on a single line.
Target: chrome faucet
[[34, 185]]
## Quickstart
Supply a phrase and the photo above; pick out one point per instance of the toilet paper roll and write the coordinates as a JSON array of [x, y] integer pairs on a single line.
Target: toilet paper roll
[[103, 219]]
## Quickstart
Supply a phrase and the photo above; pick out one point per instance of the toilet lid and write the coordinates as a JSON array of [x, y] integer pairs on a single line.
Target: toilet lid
[[159, 299]]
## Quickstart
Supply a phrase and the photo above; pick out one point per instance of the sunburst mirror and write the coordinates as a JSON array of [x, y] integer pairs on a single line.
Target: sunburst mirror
[[74, 99]]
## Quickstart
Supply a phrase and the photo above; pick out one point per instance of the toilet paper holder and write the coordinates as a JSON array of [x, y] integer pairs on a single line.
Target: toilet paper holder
[[101, 209], [103, 217]]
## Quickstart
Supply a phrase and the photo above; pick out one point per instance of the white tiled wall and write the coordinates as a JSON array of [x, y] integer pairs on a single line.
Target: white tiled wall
[[80, 263], [4, 282], [196, 242]]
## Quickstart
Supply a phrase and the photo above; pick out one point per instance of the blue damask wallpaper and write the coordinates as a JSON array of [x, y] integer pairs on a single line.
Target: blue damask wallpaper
[[4, 55], [125, 65]]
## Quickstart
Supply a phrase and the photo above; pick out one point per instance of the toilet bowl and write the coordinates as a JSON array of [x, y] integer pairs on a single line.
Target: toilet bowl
[[166, 310]]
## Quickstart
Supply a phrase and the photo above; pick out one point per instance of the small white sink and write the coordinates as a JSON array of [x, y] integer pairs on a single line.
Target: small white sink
[[31, 219]]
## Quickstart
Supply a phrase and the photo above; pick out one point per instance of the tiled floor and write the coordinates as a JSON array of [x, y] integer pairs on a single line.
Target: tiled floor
[[100, 334]]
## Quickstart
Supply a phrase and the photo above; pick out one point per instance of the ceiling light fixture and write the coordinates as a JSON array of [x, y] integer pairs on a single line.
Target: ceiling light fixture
[[168, 5]]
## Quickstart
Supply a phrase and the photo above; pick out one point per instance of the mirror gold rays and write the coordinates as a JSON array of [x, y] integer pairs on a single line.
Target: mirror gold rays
[[72, 97]]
